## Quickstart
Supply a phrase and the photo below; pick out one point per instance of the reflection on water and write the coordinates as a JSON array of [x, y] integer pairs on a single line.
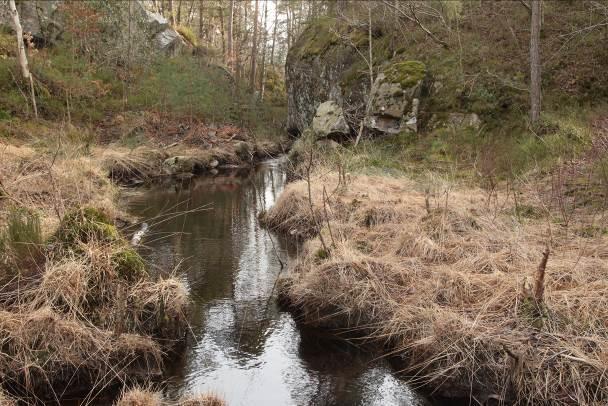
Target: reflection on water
[[244, 347]]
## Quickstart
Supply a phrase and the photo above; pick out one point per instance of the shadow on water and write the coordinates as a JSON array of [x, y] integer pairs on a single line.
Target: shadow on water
[[244, 347]]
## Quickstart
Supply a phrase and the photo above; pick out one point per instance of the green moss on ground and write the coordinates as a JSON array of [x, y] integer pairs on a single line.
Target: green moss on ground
[[129, 264], [84, 225]]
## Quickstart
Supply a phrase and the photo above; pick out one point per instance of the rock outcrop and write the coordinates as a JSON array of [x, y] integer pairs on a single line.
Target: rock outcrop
[[329, 120], [319, 68], [43, 20], [157, 27], [395, 98], [324, 66], [39, 18]]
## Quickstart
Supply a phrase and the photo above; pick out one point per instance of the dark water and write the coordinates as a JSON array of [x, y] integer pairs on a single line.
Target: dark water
[[245, 348]]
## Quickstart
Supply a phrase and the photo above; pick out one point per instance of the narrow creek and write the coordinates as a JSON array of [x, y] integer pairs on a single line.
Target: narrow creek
[[243, 347]]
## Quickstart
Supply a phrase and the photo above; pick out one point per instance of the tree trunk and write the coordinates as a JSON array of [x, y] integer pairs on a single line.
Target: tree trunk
[[171, 14], [190, 14], [231, 38], [200, 19], [274, 31], [25, 70], [221, 11], [535, 80], [264, 40], [370, 65], [179, 12], [288, 26], [239, 38], [254, 47]]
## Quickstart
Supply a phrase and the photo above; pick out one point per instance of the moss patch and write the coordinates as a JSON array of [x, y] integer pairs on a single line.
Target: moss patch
[[84, 225], [129, 264], [315, 39], [407, 73]]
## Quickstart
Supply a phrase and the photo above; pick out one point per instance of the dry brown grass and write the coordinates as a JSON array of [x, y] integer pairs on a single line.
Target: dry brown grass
[[448, 289], [139, 396], [53, 182], [87, 313]]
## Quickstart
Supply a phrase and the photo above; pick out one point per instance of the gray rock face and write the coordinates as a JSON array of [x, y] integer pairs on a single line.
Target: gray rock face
[[166, 39], [329, 120], [393, 109], [42, 19], [38, 18], [322, 67], [313, 77]]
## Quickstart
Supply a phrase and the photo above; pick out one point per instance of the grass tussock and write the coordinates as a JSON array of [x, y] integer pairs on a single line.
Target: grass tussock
[[77, 303], [139, 396], [444, 280]]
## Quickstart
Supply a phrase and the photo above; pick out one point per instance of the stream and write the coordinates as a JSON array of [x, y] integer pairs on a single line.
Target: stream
[[243, 347]]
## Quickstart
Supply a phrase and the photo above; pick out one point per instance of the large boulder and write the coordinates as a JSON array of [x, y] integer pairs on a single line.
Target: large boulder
[[395, 98], [39, 18], [157, 27], [329, 120], [325, 64], [321, 67], [43, 20]]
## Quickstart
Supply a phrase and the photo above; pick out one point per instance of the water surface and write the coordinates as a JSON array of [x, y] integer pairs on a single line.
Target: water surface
[[244, 347]]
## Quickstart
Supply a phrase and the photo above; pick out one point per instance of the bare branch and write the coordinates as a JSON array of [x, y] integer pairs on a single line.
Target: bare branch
[[526, 5], [413, 18]]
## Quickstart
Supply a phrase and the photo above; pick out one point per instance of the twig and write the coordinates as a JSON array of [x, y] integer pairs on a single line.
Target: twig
[[539, 283], [526, 5], [312, 211], [413, 18], [325, 198]]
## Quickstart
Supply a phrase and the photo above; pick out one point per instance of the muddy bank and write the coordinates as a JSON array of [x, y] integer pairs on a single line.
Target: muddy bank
[[442, 278]]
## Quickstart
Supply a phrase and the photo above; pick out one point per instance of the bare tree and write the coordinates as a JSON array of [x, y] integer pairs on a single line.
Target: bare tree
[[264, 41], [200, 19], [231, 37], [25, 70], [274, 31], [535, 80], [254, 47], [171, 12]]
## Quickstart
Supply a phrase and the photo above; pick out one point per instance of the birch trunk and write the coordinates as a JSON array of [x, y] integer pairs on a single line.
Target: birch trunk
[[22, 55], [254, 48]]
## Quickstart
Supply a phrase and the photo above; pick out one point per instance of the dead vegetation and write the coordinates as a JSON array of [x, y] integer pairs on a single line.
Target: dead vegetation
[[444, 280], [148, 397], [78, 308]]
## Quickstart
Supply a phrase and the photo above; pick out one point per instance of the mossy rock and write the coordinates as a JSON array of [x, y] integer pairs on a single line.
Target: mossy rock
[[84, 225], [129, 265], [316, 39], [407, 73]]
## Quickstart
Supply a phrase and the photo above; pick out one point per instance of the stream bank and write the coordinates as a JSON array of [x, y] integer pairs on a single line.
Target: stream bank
[[244, 347]]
